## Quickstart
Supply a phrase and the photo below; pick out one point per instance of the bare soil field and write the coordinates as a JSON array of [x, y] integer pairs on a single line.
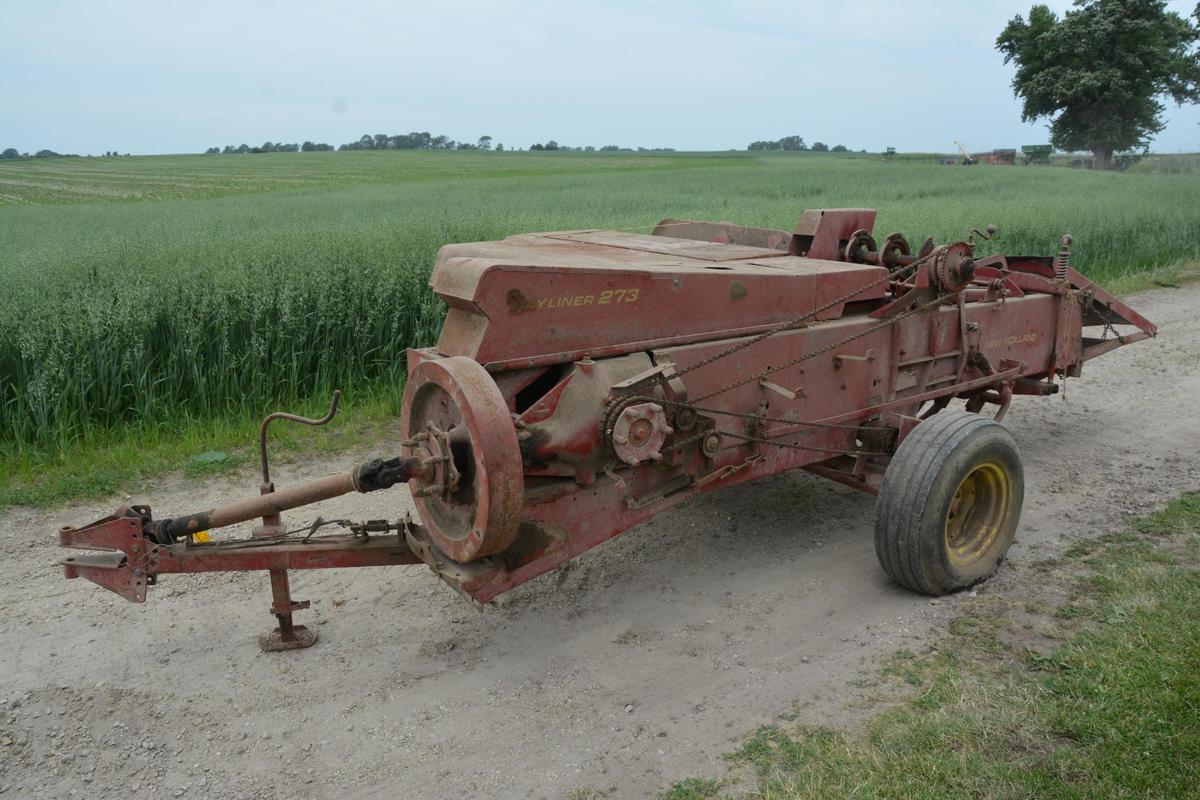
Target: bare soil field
[[634, 666]]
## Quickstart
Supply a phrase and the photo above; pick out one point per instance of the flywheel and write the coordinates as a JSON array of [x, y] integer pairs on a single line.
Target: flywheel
[[457, 422]]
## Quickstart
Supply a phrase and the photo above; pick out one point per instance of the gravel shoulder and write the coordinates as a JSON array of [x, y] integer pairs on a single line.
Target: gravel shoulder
[[638, 664]]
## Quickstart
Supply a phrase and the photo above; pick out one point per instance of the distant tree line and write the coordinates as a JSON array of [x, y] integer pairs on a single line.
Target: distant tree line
[[608, 148], [10, 153], [422, 140], [417, 140], [266, 147], [796, 143]]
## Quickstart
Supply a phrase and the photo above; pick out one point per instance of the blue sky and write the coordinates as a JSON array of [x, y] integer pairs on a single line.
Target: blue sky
[[163, 77]]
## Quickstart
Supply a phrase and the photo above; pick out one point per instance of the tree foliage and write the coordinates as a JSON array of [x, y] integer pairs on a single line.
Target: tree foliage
[[416, 140], [1099, 73], [786, 143], [10, 153]]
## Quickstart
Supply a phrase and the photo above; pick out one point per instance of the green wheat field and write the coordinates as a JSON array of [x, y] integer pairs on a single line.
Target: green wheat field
[[169, 292]]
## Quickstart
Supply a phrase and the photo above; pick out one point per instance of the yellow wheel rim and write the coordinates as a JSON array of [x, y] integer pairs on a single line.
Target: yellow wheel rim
[[980, 506]]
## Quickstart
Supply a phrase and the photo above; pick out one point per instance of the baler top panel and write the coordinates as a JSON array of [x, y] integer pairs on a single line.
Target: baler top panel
[[535, 299]]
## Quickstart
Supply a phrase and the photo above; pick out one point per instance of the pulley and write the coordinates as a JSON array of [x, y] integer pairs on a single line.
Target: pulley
[[471, 489], [952, 267]]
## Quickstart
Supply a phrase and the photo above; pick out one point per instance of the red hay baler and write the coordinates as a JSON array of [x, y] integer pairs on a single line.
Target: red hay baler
[[585, 381]]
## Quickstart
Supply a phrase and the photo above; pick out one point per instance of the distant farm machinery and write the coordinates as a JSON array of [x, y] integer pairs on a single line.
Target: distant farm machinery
[[1001, 156], [585, 381], [1037, 153]]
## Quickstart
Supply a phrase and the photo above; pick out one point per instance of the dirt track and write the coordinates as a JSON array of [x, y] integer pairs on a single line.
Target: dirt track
[[635, 666]]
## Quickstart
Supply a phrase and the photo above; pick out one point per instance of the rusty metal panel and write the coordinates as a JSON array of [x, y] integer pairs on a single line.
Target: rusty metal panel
[[724, 233], [668, 246], [525, 315], [821, 233]]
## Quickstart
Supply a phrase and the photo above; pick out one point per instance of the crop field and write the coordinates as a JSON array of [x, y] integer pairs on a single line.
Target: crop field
[[149, 293], [81, 180]]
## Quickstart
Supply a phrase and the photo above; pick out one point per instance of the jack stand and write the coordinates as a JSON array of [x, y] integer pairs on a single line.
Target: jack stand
[[287, 636]]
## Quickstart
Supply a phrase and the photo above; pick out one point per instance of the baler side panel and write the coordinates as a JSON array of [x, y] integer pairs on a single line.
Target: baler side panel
[[525, 315]]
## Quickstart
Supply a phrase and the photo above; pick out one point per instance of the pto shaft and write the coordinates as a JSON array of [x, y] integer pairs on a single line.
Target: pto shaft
[[369, 476]]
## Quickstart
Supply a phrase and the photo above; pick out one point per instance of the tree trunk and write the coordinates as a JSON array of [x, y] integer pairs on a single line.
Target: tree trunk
[[1103, 157]]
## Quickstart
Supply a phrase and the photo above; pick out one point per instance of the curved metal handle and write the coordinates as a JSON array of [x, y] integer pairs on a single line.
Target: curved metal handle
[[262, 430]]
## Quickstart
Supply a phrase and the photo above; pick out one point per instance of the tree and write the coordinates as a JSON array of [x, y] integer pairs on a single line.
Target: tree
[[551, 145], [10, 152], [786, 143], [820, 147], [837, 148], [1097, 74], [500, 147], [212, 151], [485, 143]]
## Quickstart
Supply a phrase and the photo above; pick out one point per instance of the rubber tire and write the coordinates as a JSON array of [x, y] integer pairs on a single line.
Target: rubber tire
[[918, 487]]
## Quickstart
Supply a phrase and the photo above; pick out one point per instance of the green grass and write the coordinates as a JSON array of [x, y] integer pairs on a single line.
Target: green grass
[[121, 460], [149, 299], [1114, 711]]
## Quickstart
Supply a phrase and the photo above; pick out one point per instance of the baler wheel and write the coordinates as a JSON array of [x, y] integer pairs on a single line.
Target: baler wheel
[[456, 419], [949, 504]]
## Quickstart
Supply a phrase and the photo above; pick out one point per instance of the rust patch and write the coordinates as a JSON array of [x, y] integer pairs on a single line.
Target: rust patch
[[517, 301]]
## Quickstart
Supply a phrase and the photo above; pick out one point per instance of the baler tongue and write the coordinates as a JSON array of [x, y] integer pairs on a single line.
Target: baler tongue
[[137, 548], [134, 555], [122, 568]]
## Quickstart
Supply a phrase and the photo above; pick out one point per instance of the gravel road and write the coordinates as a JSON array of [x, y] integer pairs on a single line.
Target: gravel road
[[636, 665]]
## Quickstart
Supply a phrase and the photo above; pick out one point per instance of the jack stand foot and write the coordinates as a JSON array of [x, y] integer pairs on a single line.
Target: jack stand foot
[[286, 636], [274, 641]]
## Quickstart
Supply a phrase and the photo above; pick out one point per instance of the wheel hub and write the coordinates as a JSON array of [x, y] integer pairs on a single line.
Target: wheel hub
[[977, 511]]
